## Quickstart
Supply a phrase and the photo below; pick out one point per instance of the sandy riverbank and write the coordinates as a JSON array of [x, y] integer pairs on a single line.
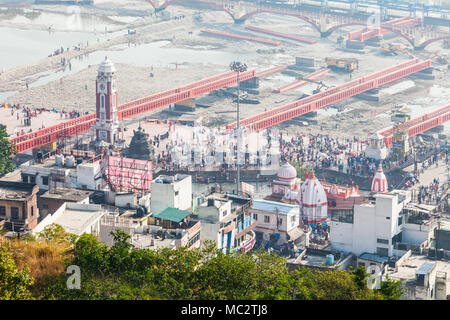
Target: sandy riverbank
[[359, 118]]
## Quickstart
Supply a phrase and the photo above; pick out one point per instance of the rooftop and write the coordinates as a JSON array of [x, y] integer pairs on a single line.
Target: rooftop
[[170, 178], [426, 268], [265, 205], [172, 214], [15, 190], [76, 218], [373, 257], [67, 194], [419, 264]]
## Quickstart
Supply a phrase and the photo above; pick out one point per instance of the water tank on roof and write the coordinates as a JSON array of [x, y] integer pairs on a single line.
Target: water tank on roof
[[70, 161], [59, 160], [329, 259], [141, 211]]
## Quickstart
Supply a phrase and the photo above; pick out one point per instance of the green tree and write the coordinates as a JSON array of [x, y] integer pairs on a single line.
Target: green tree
[[390, 289], [14, 284], [7, 150], [55, 232], [90, 255]]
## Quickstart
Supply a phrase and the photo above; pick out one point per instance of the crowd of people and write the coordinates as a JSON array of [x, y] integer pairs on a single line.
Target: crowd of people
[[324, 151], [26, 113]]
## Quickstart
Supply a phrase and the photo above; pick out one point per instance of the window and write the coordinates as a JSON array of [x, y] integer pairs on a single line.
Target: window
[[45, 206], [2, 211], [255, 216], [177, 192], [32, 211], [382, 252], [342, 216], [266, 219], [388, 218], [280, 221], [45, 181], [383, 241], [32, 179], [14, 213], [400, 221], [24, 179], [292, 218], [102, 101]]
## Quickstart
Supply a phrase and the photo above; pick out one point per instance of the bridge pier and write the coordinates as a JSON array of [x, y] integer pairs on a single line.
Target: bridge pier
[[325, 34]]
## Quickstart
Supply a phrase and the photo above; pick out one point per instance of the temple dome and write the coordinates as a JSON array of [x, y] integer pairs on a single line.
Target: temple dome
[[379, 182], [287, 172], [313, 200]]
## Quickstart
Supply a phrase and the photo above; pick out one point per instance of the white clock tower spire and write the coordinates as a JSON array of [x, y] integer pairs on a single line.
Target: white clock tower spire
[[106, 103]]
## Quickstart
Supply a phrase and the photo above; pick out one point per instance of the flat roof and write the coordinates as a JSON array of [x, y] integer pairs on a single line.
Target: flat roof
[[67, 194], [172, 214], [426, 268], [76, 220], [407, 271], [15, 190], [266, 205], [373, 257]]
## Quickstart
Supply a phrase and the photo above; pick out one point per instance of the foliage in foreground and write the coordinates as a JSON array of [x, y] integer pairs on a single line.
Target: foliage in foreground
[[121, 272], [6, 152]]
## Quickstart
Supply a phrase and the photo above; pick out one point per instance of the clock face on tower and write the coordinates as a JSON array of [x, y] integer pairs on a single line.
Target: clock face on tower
[[102, 86]]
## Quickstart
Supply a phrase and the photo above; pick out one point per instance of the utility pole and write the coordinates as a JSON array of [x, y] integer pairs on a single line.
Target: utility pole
[[238, 67]]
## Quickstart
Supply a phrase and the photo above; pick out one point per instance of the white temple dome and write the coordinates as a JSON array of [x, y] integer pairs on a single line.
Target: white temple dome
[[287, 172], [379, 182], [106, 66], [313, 199]]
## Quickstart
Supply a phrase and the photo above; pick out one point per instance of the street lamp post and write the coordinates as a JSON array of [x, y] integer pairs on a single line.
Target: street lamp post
[[238, 67]]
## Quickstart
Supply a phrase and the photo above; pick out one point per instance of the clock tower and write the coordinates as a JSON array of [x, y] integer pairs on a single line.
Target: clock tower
[[106, 123]]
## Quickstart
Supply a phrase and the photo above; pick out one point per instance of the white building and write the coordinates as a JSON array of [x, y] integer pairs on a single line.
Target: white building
[[60, 172], [171, 191], [227, 220], [422, 278], [286, 181], [214, 213], [75, 218], [376, 148], [276, 219], [385, 226], [375, 224]]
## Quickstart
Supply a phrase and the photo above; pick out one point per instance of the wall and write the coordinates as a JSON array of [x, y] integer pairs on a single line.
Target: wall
[[416, 234], [123, 200], [208, 213], [28, 209], [364, 237], [50, 205], [341, 236], [443, 239], [209, 231], [386, 221], [163, 195], [49, 219], [86, 174]]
